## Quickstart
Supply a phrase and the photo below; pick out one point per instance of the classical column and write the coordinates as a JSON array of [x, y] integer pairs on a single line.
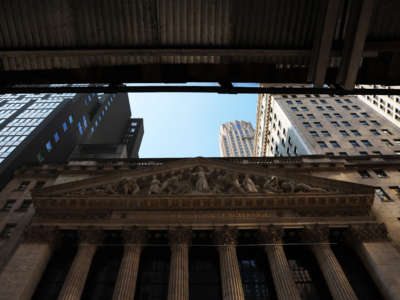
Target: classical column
[[378, 255], [281, 273], [232, 288], [178, 286], [19, 278], [76, 278], [339, 286], [128, 270]]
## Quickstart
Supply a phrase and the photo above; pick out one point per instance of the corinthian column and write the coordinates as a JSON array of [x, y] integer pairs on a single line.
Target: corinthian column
[[282, 275], [338, 284], [76, 278], [178, 286], [232, 288], [128, 271], [379, 256], [19, 278]]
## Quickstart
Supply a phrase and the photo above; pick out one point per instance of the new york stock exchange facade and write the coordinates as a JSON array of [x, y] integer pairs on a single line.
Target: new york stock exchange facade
[[202, 229]]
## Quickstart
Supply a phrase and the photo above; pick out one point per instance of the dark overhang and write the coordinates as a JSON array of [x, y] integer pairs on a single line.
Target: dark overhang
[[340, 42]]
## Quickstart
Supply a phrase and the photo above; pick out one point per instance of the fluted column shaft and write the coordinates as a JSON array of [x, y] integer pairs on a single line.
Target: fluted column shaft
[[178, 286], [285, 286], [75, 282], [125, 285], [338, 284], [232, 288]]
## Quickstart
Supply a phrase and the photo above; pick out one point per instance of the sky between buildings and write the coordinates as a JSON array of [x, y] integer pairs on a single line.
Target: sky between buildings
[[187, 124]]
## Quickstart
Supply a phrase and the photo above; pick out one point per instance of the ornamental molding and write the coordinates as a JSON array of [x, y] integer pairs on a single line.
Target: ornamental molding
[[367, 232], [225, 236], [270, 234], [180, 236]]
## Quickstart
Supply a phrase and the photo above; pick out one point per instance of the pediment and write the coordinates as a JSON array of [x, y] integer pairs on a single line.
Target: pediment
[[199, 176]]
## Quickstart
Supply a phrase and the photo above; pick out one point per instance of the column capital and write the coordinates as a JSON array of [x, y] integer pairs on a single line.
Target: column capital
[[225, 236], [270, 234], [180, 236], [40, 234], [91, 236], [134, 235], [315, 233], [367, 232]]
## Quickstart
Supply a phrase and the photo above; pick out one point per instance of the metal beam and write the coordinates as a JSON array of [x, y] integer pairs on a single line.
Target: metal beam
[[323, 43], [192, 89], [356, 32]]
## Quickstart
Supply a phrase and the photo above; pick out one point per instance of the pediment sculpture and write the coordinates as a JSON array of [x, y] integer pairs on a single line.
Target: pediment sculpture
[[199, 180]]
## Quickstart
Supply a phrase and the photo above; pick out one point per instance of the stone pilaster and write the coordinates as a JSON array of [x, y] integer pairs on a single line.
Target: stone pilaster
[[128, 271], [232, 288], [282, 275], [77, 274], [378, 255], [19, 278], [178, 286], [339, 286]]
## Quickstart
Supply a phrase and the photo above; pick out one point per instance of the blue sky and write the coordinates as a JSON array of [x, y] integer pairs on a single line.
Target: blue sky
[[187, 124]]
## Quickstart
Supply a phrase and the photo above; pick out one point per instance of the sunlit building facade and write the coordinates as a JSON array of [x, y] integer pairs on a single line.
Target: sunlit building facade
[[236, 139]]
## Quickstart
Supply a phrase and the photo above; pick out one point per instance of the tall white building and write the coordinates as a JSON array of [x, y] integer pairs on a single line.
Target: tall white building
[[387, 106], [289, 125], [236, 139]]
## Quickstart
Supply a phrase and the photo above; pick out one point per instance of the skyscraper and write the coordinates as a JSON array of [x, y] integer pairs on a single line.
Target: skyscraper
[[236, 139], [46, 127], [322, 124], [387, 105]]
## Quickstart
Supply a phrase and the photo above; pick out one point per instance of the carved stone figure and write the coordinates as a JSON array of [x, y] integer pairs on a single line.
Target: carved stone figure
[[249, 185], [294, 187], [236, 186], [155, 187], [171, 184], [201, 183], [272, 185]]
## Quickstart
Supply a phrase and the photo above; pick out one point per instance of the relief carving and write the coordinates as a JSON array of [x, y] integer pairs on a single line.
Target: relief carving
[[368, 232], [200, 180], [225, 236], [270, 234]]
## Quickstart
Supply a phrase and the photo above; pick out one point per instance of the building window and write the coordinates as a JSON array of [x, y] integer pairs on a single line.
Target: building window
[[356, 133], [380, 173], [377, 152], [346, 107], [7, 230], [304, 108], [80, 128], [376, 123], [382, 195], [293, 108], [314, 134], [318, 124], [346, 124], [325, 133], [321, 100], [25, 205], [65, 126], [84, 121], [354, 115], [320, 108], [328, 116], [385, 131], [344, 133], [366, 143], [306, 124], [56, 137], [397, 141], [330, 108], [322, 144], [299, 102], [339, 116], [365, 115], [364, 174], [39, 185], [39, 157], [23, 185], [311, 116], [356, 107], [363, 153], [48, 146], [364, 123], [387, 142], [335, 124], [289, 102], [313, 101], [8, 205], [329, 154], [343, 153], [374, 132], [70, 119], [395, 190], [354, 143], [300, 116], [338, 101], [335, 144], [347, 100]]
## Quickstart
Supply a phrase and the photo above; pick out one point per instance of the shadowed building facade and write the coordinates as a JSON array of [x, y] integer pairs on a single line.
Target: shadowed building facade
[[200, 228]]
